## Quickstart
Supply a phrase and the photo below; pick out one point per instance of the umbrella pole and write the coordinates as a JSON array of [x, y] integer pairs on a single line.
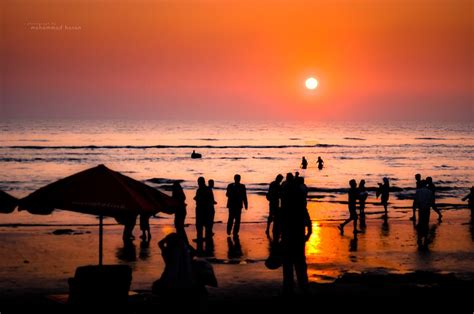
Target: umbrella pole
[[101, 233]]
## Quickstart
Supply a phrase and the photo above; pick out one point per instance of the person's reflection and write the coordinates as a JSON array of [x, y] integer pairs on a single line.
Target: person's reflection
[[353, 244], [144, 250], [385, 227], [428, 238], [127, 253], [234, 248]]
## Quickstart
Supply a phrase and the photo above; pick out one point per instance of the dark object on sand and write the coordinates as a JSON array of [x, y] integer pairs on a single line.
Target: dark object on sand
[[275, 259], [63, 231], [100, 285], [195, 155], [98, 191], [8, 203]]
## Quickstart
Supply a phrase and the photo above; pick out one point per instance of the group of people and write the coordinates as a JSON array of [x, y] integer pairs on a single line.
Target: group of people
[[319, 161], [291, 227]]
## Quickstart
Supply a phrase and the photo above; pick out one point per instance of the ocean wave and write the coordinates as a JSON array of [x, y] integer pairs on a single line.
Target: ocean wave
[[39, 159], [38, 147], [430, 138], [355, 138]]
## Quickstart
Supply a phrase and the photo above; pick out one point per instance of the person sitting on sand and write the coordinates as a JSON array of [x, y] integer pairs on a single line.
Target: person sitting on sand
[[353, 196], [145, 227], [432, 187], [304, 163], [424, 201], [320, 163], [273, 197], [470, 201], [236, 200], [384, 193]]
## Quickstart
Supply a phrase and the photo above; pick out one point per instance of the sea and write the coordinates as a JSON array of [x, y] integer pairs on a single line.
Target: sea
[[34, 153]]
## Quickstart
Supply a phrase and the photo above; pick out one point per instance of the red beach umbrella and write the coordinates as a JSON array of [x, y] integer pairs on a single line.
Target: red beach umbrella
[[8, 203], [98, 191]]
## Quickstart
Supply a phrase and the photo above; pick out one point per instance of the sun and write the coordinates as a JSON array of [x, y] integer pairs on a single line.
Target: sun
[[311, 83]]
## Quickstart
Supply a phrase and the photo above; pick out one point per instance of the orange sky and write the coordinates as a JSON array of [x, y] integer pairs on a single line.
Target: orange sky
[[232, 59]]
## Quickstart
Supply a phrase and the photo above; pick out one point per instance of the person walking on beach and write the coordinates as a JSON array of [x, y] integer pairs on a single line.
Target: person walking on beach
[[212, 210], [296, 230], [424, 201], [363, 194], [128, 222], [202, 199], [304, 163], [384, 193], [180, 215], [145, 227], [273, 197], [353, 195], [236, 200], [320, 162], [432, 187]]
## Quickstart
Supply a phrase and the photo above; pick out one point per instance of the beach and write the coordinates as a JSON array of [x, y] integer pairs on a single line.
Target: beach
[[40, 262]]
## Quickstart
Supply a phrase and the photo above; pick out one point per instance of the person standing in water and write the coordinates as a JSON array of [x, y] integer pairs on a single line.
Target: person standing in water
[[424, 201], [202, 199], [432, 187], [212, 209], [418, 186], [304, 163], [353, 195], [236, 200], [320, 162], [296, 230], [384, 193], [363, 194], [180, 215], [145, 227], [273, 197]]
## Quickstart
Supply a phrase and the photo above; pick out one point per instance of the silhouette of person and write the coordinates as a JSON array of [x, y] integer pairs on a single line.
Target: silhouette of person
[[212, 210], [236, 200], [304, 163], [432, 187], [418, 186], [273, 197], [363, 194], [202, 199], [352, 205], [384, 193], [320, 162], [424, 201], [195, 155], [145, 227], [128, 222], [180, 215], [470, 202], [296, 230]]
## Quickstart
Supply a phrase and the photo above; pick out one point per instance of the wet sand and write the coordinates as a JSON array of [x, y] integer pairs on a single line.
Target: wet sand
[[39, 262]]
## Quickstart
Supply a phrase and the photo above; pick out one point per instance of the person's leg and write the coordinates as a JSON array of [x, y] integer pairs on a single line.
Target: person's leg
[[238, 214], [199, 226], [230, 221], [288, 281], [301, 268], [269, 222]]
